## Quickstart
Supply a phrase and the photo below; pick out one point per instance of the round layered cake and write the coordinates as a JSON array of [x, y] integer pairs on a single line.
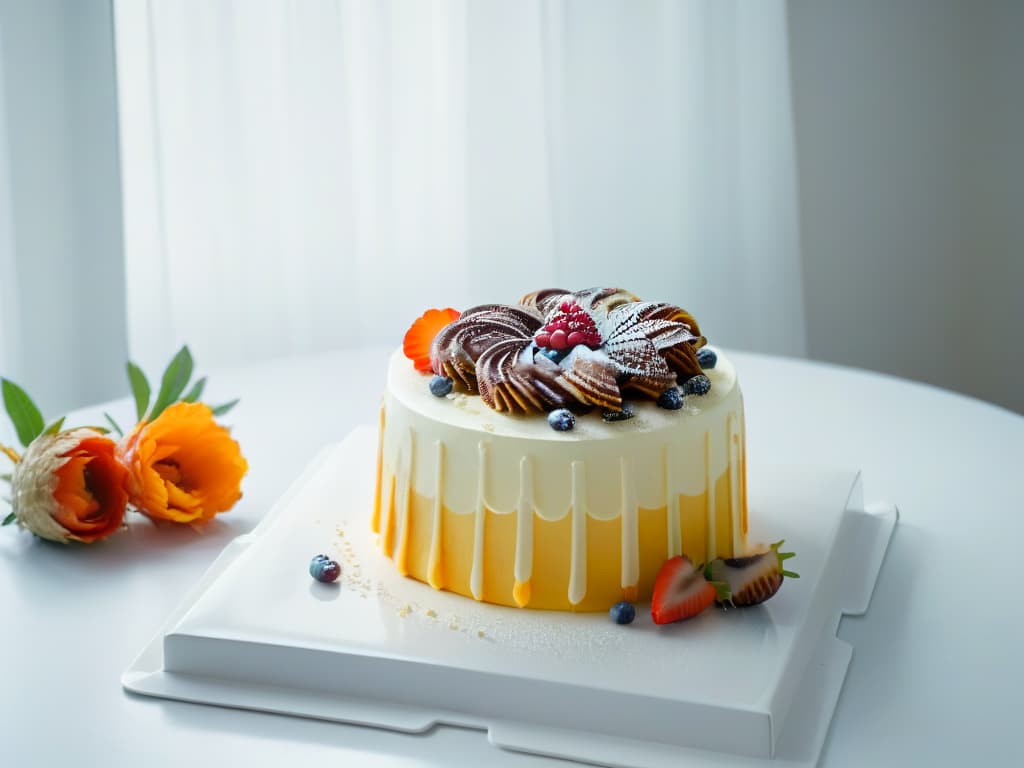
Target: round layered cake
[[560, 476]]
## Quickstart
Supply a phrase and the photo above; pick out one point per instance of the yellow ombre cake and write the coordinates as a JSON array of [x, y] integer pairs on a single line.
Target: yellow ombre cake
[[478, 494]]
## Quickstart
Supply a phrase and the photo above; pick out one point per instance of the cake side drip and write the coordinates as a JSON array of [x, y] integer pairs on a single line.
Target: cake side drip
[[675, 480]]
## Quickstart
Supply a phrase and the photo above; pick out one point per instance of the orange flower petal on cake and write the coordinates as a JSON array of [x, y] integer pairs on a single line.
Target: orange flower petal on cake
[[183, 466], [419, 337]]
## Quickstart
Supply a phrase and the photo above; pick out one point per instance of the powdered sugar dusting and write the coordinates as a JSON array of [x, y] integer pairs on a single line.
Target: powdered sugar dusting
[[560, 634]]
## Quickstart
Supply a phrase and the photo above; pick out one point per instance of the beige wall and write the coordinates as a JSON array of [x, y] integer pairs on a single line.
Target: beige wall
[[61, 266], [909, 120]]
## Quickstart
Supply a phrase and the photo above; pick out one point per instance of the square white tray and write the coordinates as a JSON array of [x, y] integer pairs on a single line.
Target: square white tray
[[728, 688]]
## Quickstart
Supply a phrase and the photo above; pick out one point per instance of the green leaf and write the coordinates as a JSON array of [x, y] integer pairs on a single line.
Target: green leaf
[[196, 392], [7, 476], [54, 428], [96, 428], [28, 421], [174, 381], [9, 519], [220, 410], [114, 424], [140, 389]]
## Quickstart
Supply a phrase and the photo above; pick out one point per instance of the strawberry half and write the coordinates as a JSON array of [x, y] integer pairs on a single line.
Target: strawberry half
[[751, 579], [681, 591]]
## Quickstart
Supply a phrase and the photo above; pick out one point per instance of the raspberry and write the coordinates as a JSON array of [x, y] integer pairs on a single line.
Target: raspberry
[[568, 327]]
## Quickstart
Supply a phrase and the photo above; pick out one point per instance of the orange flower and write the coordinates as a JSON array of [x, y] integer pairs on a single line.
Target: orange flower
[[70, 487], [183, 466], [417, 341]]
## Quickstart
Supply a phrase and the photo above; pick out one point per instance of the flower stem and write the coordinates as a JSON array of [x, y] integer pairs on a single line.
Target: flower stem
[[10, 453]]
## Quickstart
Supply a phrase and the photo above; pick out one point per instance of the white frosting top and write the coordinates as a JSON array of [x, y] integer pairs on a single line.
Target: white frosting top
[[470, 459], [655, 441], [467, 411]]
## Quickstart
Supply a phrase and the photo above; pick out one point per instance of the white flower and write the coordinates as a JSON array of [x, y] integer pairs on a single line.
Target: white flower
[[70, 487]]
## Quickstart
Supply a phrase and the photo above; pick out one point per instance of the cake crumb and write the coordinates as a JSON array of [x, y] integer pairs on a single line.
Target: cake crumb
[[453, 625], [488, 427], [480, 633], [431, 613], [405, 610]]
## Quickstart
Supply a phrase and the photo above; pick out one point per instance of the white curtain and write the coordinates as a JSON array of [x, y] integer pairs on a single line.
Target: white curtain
[[10, 315], [300, 176]]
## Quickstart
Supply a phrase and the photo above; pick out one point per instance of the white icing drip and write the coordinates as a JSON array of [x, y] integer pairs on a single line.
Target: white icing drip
[[630, 527], [709, 483], [404, 503], [578, 548], [675, 536], [476, 575], [434, 563], [409, 404], [734, 484], [524, 525], [401, 479], [610, 479]]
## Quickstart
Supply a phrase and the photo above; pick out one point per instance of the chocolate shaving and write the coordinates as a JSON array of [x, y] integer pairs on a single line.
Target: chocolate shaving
[[545, 300], [592, 380], [456, 349], [645, 348]]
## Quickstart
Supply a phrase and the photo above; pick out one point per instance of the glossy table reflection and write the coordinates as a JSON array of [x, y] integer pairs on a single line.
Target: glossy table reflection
[[936, 673]]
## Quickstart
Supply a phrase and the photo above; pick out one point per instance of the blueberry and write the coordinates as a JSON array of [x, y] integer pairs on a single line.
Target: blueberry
[[440, 386], [707, 358], [697, 385], [672, 399], [622, 613], [322, 568], [552, 354], [561, 420], [625, 413]]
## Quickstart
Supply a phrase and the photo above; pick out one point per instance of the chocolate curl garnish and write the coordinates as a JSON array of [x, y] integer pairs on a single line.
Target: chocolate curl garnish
[[634, 337], [456, 349], [510, 381], [545, 300], [644, 347], [493, 371], [645, 371], [604, 300], [681, 357], [592, 380], [676, 315]]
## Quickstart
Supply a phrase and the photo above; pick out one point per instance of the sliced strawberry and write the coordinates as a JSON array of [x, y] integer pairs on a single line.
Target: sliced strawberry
[[681, 591], [751, 579]]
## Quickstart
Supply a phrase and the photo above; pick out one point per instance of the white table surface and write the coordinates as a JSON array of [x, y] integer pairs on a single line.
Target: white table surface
[[937, 676]]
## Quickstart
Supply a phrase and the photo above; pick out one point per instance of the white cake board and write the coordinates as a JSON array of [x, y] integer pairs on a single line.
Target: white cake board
[[739, 687]]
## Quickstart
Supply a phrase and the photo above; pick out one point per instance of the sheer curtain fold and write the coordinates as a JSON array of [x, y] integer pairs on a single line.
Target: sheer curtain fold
[[9, 314], [301, 176]]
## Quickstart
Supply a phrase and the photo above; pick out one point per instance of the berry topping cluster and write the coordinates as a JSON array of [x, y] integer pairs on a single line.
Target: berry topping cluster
[[567, 328]]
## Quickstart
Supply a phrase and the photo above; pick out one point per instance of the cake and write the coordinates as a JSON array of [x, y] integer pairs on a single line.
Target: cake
[[553, 454]]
